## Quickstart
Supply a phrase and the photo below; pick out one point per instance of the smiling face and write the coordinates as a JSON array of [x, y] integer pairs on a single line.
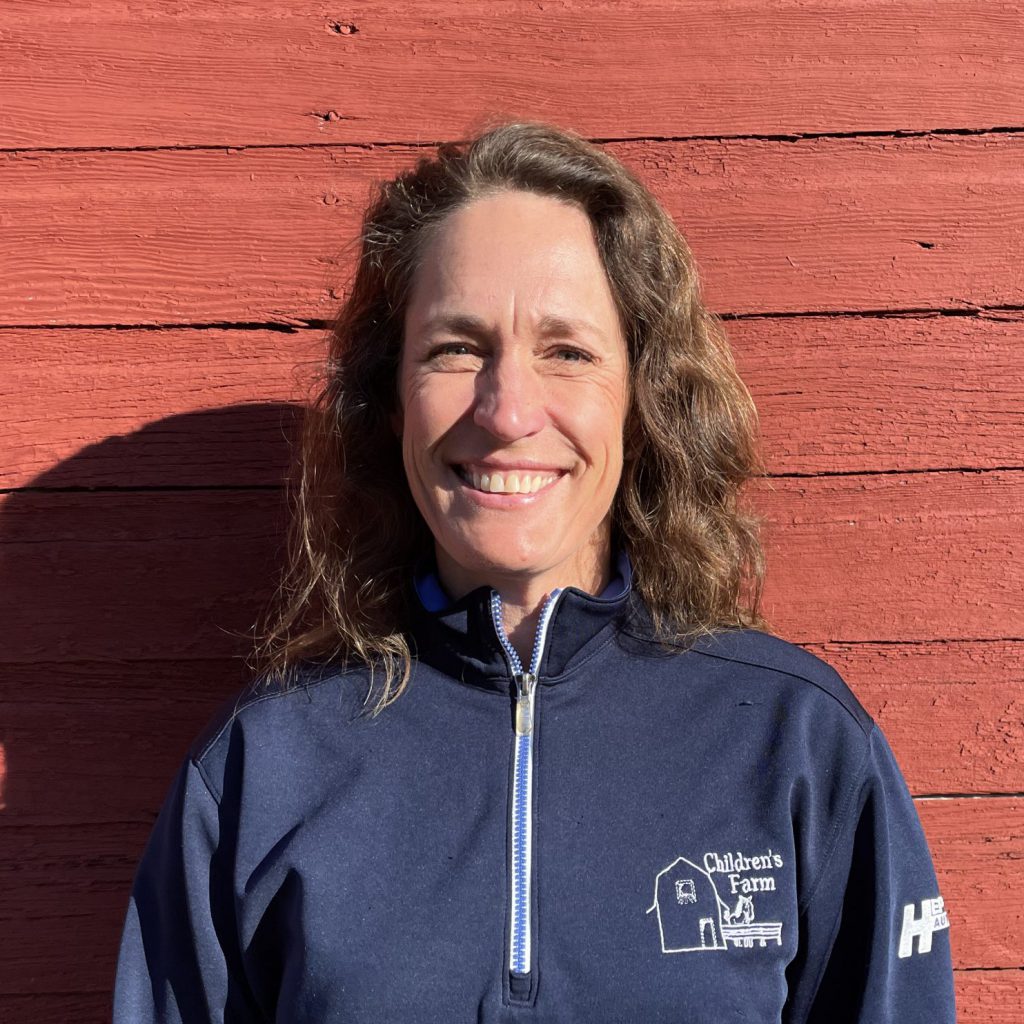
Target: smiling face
[[513, 386]]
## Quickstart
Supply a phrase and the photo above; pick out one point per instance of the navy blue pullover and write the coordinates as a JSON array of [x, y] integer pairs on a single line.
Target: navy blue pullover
[[610, 834]]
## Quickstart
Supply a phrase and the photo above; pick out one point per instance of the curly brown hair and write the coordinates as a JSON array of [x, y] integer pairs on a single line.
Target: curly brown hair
[[691, 433]]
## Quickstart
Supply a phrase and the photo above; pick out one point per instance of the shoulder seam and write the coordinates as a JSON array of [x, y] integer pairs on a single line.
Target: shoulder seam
[[241, 704], [865, 728], [207, 782]]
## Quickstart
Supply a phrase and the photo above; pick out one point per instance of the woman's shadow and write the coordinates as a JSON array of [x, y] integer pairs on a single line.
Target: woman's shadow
[[133, 576]]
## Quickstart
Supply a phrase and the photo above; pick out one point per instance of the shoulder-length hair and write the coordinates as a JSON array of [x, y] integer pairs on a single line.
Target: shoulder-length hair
[[690, 436]]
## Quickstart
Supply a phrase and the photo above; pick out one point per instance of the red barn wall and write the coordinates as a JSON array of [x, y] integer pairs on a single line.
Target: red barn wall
[[179, 185]]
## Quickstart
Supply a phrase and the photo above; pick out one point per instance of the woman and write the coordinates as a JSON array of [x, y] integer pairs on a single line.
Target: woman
[[523, 750]]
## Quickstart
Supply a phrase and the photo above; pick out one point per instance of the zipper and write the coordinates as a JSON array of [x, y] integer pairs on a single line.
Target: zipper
[[521, 809]]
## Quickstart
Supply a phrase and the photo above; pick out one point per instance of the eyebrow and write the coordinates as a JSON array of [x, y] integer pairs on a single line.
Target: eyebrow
[[550, 325]]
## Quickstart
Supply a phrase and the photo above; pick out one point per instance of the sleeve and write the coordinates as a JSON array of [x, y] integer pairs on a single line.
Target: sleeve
[[178, 961], [876, 934]]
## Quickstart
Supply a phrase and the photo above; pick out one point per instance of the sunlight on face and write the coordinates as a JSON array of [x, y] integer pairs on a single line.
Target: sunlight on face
[[513, 385]]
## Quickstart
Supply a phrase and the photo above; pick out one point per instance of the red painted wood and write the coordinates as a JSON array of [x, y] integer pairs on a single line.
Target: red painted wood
[[98, 741], [989, 996], [976, 846], [135, 575], [898, 558], [171, 575], [834, 394], [298, 72], [265, 235], [953, 710], [877, 394], [858, 558], [174, 408]]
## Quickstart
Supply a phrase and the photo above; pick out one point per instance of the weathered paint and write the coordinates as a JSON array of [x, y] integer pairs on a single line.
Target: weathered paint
[[243, 72], [827, 225]]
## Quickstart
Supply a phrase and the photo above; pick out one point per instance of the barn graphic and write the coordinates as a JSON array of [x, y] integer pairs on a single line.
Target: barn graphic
[[692, 917]]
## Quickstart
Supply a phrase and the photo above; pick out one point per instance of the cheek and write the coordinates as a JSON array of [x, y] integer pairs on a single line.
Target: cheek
[[600, 422], [431, 410], [420, 414]]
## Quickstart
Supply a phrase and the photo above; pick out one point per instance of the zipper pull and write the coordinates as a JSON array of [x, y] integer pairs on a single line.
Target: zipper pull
[[525, 682]]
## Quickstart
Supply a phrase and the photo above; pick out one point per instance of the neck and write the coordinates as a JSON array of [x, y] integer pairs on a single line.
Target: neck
[[523, 594]]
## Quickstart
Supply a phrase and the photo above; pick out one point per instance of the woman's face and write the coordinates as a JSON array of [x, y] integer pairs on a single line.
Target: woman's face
[[513, 386]]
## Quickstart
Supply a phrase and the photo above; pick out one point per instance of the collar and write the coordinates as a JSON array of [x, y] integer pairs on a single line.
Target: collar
[[460, 638]]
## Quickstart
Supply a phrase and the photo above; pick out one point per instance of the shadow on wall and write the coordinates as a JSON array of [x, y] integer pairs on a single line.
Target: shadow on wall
[[127, 612]]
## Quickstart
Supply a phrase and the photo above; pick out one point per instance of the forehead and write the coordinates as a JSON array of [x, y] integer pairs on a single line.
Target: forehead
[[514, 249]]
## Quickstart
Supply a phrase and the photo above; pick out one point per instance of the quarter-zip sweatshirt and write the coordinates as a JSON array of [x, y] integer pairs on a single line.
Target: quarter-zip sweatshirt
[[613, 832]]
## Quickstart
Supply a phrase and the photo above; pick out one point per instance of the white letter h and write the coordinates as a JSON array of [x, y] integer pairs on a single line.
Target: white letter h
[[933, 918]]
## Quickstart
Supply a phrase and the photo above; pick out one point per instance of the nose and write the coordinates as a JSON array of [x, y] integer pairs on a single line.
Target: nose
[[509, 399]]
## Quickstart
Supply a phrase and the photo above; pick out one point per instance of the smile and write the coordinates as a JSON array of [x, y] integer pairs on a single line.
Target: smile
[[509, 481]]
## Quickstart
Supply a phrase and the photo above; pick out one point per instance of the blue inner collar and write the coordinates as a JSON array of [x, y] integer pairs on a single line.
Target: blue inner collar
[[460, 638]]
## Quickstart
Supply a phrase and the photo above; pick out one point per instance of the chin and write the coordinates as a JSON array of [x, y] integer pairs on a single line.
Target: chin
[[495, 556]]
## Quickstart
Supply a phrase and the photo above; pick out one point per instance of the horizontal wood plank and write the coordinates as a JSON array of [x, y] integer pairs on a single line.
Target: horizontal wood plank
[[977, 845], [989, 996], [953, 711], [267, 72], [883, 394], [136, 575], [216, 407], [175, 408], [268, 235], [893, 514], [861, 570], [895, 558], [100, 741]]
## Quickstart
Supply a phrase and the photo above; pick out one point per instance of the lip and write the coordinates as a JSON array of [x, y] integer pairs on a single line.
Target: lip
[[501, 466]]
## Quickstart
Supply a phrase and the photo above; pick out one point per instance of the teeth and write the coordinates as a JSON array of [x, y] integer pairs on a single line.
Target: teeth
[[509, 483]]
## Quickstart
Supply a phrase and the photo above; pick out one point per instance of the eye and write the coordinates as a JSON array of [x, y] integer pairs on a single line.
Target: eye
[[568, 354], [449, 348]]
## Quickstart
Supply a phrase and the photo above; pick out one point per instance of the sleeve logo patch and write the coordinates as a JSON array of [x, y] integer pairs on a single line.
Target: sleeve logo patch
[[933, 919], [709, 906]]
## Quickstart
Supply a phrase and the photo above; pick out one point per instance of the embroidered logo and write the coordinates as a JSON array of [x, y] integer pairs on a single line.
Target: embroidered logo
[[933, 919], [692, 914]]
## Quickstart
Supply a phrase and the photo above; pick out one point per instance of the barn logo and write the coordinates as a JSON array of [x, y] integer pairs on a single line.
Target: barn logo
[[708, 906]]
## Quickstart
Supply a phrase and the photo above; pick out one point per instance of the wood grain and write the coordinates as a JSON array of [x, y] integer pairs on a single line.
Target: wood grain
[[989, 996], [267, 235], [855, 559], [259, 72], [976, 847], [894, 557], [834, 395]]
